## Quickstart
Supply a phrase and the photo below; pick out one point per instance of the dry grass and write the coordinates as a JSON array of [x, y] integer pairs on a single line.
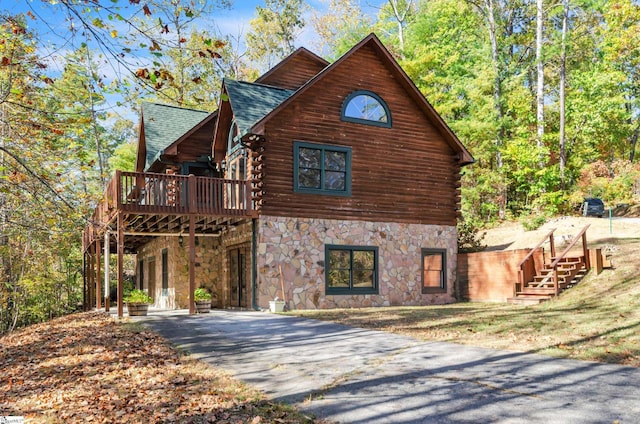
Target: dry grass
[[89, 368], [597, 320]]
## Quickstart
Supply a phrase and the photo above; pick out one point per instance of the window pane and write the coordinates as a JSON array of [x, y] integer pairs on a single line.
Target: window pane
[[363, 259], [340, 259], [309, 158], [362, 278], [367, 108], [335, 161], [309, 178], [334, 180], [339, 278], [432, 279]]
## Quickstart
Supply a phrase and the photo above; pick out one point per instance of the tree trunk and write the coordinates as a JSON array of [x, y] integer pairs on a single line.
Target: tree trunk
[[540, 72], [563, 80]]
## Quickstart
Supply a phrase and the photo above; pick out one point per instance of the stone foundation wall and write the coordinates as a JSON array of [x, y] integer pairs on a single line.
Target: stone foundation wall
[[296, 246]]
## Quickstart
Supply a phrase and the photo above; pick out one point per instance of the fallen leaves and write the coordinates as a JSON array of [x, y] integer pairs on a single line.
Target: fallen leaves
[[89, 368]]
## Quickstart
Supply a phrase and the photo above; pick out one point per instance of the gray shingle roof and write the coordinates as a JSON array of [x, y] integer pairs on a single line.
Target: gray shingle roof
[[251, 102], [164, 124]]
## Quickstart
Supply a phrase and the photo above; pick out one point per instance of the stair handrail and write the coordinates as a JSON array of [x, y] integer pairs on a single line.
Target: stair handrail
[[581, 234], [544, 239], [521, 272], [554, 265]]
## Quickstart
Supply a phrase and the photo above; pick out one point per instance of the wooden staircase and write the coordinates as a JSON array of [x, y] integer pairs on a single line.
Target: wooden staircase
[[540, 282]]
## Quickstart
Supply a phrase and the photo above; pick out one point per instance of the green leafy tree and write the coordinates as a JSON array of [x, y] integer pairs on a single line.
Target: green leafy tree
[[273, 31]]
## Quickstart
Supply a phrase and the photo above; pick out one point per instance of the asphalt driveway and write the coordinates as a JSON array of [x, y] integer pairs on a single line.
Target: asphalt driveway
[[352, 375]]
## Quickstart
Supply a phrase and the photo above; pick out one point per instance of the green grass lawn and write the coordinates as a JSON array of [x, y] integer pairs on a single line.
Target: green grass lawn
[[597, 320]]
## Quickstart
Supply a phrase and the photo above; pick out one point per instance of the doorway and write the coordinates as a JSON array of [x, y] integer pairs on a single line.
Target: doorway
[[238, 277]]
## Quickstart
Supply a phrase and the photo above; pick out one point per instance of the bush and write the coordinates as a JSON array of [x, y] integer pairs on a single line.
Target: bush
[[201, 294], [137, 296], [532, 222], [469, 239]]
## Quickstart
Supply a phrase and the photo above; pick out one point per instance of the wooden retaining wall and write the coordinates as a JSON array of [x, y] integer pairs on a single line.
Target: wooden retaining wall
[[490, 276]]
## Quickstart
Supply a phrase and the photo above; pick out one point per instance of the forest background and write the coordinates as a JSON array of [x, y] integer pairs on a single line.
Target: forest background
[[545, 94]]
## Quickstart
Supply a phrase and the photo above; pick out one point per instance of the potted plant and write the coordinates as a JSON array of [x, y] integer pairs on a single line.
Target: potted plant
[[202, 299], [137, 302]]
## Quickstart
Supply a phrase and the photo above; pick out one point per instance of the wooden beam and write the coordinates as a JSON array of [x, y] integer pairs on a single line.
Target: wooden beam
[[98, 279], [120, 249], [192, 264]]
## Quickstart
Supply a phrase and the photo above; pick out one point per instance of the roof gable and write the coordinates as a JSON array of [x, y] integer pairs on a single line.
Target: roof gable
[[161, 126], [294, 70], [464, 156]]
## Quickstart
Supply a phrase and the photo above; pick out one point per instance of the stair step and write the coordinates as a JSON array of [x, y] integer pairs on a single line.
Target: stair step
[[536, 292], [527, 300]]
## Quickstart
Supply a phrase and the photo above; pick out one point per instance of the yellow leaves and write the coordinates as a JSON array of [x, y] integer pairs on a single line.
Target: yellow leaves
[[114, 33]]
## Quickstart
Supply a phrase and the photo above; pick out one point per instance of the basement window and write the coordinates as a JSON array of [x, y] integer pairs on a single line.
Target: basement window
[[351, 269], [434, 271]]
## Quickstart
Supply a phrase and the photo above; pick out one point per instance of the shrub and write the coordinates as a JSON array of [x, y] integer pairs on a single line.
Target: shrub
[[137, 296], [532, 222], [469, 239], [201, 294]]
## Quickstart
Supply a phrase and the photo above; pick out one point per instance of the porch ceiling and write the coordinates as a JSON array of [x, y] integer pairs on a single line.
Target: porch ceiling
[[141, 229]]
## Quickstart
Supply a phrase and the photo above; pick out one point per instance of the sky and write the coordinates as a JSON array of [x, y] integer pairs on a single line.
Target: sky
[[52, 27]]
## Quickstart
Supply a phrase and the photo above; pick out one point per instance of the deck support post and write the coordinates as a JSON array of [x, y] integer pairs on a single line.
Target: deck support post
[[98, 276], [192, 263], [120, 250], [107, 276], [92, 279]]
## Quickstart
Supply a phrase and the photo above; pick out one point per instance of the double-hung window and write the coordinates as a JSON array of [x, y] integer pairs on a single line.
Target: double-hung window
[[321, 169], [351, 269], [434, 269]]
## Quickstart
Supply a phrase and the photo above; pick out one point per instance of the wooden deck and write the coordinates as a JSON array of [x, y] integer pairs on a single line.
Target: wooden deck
[[156, 204]]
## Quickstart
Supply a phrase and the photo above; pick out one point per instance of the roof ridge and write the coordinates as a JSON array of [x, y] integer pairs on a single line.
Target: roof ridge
[[144, 102], [275, 87]]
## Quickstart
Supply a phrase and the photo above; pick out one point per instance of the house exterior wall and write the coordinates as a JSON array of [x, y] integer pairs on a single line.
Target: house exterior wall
[[407, 173], [211, 269], [296, 246]]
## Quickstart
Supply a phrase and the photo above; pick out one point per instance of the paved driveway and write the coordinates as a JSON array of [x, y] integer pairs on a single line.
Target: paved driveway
[[352, 375]]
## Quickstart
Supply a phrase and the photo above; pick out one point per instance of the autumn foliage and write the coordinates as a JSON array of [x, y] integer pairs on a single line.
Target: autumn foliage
[[87, 367]]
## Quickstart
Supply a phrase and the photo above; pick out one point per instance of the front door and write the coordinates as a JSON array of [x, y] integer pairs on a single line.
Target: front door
[[238, 277]]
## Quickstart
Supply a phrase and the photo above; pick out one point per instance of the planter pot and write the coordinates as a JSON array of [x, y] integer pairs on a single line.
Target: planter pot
[[137, 309], [203, 306], [276, 305]]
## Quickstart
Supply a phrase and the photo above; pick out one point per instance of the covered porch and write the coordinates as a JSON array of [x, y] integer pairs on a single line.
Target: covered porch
[[138, 207]]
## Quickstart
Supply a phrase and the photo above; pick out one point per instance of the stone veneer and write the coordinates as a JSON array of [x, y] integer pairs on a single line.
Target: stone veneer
[[211, 270], [297, 247]]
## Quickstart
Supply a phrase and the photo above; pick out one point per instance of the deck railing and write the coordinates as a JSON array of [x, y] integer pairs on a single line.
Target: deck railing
[[150, 193]]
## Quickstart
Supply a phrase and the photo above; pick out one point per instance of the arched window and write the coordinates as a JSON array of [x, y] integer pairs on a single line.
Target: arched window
[[234, 137], [366, 107]]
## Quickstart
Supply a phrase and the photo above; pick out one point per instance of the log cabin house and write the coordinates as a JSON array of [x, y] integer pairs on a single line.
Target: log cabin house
[[325, 185]]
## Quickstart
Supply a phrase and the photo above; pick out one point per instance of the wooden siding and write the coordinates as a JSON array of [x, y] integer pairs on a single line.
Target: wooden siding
[[490, 276], [406, 173], [293, 73]]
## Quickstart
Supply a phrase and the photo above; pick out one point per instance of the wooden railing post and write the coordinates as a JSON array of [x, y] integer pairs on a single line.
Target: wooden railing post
[[118, 188], [555, 280], [585, 252], [191, 194], [552, 245]]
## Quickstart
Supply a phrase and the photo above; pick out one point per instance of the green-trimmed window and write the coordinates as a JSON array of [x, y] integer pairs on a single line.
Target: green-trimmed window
[[366, 107], [434, 271], [351, 269], [321, 168]]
